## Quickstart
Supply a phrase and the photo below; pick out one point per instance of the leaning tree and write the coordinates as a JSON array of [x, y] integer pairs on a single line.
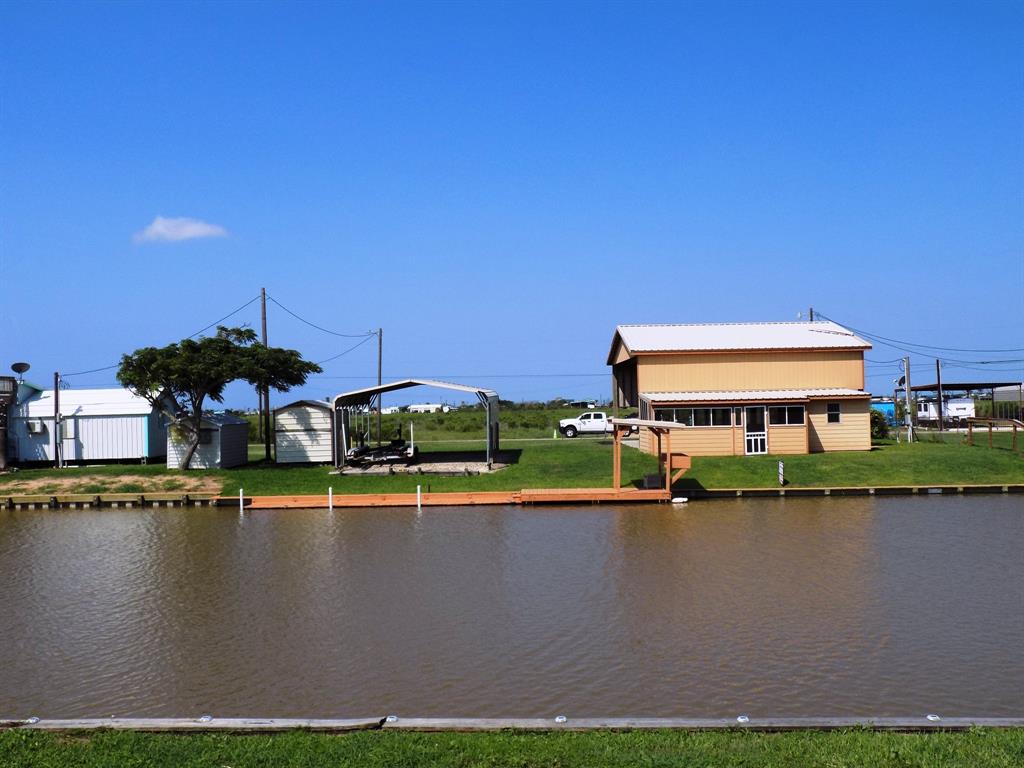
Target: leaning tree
[[180, 378]]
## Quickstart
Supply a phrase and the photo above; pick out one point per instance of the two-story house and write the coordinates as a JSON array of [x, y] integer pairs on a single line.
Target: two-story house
[[746, 388]]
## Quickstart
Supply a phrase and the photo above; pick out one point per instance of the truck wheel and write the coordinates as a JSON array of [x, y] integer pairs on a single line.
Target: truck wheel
[[570, 432]]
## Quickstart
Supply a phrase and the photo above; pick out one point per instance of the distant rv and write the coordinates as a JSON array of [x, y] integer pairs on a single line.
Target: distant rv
[[428, 408], [954, 409], [390, 410]]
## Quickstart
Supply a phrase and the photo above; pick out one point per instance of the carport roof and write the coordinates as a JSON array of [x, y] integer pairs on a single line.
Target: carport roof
[[364, 396]]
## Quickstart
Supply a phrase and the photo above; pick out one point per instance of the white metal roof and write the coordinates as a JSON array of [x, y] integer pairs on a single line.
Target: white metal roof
[[221, 419], [363, 396], [84, 402], [718, 337], [322, 404], [751, 395]]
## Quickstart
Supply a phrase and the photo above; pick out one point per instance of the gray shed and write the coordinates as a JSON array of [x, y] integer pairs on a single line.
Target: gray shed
[[223, 443], [304, 433]]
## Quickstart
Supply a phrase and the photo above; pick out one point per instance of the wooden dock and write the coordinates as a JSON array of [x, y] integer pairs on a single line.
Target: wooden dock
[[855, 490], [456, 498], [108, 500], [392, 723]]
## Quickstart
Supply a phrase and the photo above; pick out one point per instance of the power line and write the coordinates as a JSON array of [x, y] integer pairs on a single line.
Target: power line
[[94, 370], [896, 342], [442, 376], [206, 328], [218, 322], [319, 327], [340, 354]]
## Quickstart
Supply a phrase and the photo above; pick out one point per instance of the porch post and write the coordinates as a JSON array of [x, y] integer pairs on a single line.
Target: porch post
[[616, 458]]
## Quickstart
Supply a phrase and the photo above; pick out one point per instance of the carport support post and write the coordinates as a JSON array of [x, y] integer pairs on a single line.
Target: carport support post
[[616, 458], [380, 368]]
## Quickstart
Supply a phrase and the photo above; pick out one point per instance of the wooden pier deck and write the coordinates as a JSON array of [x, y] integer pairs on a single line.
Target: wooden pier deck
[[456, 498]]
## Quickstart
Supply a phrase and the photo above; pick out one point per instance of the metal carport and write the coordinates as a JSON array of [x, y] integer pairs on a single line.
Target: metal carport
[[366, 398]]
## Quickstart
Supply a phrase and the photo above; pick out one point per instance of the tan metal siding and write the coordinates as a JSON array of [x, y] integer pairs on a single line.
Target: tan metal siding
[[852, 433], [784, 439], [703, 441], [750, 371]]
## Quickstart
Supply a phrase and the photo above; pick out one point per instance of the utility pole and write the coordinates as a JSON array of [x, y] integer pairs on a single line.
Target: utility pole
[[380, 396], [265, 394], [909, 416], [56, 420], [938, 387]]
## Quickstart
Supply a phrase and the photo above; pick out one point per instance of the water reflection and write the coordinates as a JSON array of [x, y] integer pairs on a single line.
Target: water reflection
[[785, 607]]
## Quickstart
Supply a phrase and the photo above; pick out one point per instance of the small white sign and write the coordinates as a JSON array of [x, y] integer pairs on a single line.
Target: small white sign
[[782, 473]]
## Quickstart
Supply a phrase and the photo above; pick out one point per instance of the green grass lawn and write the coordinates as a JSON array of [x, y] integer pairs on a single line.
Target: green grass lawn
[[839, 749], [583, 462], [921, 463]]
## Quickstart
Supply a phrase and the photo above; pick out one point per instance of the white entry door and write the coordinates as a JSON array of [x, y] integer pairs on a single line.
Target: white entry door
[[755, 432]]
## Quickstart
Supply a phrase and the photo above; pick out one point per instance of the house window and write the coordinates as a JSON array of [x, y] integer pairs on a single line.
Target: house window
[[833, 410], [786, 414], [696, 417]]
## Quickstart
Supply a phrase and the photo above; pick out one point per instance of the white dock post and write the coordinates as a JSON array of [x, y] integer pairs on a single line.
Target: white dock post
[[419, 498], [330, 499], [241, 501]]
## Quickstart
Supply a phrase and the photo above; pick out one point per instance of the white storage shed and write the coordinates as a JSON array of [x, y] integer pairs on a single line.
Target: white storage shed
[[304, 433], [223, 443], [95, 425]]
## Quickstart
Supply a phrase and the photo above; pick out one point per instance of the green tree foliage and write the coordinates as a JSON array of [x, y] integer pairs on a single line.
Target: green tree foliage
[[180, 378], [879, 425]]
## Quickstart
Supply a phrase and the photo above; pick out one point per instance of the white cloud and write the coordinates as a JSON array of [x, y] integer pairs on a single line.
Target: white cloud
[[167, 229]]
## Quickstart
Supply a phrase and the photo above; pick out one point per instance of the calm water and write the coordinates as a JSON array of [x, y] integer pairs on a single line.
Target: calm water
[[768, 607]]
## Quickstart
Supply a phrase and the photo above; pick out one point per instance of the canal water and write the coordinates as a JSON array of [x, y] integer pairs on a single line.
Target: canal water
[[858, 606]]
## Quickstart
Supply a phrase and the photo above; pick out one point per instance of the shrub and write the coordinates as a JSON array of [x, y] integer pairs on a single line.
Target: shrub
[[879, 426]]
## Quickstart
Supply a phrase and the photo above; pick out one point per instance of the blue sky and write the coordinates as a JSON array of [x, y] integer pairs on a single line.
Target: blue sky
[[499, 184]]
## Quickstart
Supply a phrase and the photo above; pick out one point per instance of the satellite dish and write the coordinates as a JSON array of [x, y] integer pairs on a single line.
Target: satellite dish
[[20, 368]]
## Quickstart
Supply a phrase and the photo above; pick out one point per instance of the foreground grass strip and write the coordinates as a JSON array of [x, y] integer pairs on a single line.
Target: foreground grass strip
[[853, 748], [580, 463]]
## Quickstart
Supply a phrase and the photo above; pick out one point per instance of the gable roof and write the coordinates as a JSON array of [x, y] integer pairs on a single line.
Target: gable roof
[[727, 337]]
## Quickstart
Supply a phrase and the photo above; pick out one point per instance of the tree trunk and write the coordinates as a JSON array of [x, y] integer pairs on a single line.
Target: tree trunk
[[193, 443]]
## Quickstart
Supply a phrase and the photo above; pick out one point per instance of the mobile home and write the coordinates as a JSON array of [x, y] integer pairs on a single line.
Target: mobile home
[[94, 425]]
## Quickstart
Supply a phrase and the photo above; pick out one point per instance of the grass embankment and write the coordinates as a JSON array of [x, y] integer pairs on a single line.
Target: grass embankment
[[926, 462], [579, 463], [854, 748]]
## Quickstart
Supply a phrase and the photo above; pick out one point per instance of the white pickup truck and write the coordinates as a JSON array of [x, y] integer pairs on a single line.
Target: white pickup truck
[[586, 423]]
